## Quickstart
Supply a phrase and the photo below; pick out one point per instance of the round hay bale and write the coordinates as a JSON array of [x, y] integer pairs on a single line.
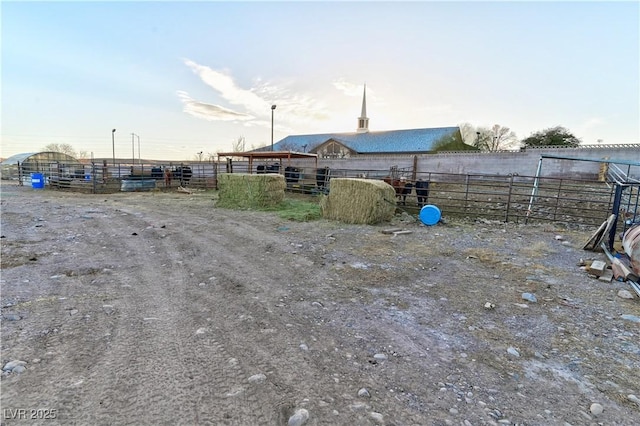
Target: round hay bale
[[241, 190], [361, 201]]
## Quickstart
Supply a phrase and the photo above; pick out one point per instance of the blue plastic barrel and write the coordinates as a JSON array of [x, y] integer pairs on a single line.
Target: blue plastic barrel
[[37, 180], [430, 214]]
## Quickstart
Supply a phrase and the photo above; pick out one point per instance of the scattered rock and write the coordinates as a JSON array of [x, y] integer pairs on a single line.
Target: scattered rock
[[634, 398], [496, 414], [364, 393], [303, 347], [11, 365], [299, 418], [596, 409], [257, 378], [19, 369], [380, 357], [630, 318], [377, 417], [513, 351], [529, 297], [11, 317], [625, 294], [489, 306]]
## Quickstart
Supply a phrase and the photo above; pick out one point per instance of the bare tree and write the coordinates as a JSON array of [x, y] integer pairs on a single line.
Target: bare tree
[[238, 145], [64, 148], [496, 138], [502, 138]]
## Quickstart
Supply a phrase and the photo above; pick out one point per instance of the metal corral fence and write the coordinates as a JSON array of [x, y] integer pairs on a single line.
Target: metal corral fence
[[508, 198], [107, 178]]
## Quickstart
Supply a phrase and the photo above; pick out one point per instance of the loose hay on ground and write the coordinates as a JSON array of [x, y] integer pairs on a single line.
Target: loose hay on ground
[[241, 190], [361, 201]]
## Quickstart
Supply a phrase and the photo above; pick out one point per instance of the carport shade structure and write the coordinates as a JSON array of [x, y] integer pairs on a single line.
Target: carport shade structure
[[271, 155]]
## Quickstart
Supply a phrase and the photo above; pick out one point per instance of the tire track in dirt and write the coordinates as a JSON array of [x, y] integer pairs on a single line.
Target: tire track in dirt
[[160, 369]]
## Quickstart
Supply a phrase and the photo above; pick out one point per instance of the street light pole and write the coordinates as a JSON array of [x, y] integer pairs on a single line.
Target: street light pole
[[133, 150], [134, 155], [273, 107], [113, 146]]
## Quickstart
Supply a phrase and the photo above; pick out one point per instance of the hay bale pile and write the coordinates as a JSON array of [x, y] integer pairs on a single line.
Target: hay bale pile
[[239, 190], [360, 201]]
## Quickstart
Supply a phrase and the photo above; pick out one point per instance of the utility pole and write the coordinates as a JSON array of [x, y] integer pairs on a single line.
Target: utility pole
[[273, 107], [113, 146]]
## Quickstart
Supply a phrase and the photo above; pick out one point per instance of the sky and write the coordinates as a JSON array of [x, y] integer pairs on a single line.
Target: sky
[[190, 77]]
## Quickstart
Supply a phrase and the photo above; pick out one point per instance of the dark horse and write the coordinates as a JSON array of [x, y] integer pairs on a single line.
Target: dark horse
[[183, 173]]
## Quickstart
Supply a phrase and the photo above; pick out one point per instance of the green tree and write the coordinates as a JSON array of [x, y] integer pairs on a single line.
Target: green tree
[[65, 148], [554, 136]]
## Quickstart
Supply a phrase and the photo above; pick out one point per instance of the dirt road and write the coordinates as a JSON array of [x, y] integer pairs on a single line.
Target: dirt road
[[161, 309]]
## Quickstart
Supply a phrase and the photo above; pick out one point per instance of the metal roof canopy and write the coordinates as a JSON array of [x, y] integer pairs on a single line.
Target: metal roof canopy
[[269, 155]]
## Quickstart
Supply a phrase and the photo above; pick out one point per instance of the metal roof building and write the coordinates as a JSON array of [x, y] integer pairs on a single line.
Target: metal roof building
[[382, 142], [363, 141], [20, 166]]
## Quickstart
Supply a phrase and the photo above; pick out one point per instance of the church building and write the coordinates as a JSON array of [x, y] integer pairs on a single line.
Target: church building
[[363, 141]]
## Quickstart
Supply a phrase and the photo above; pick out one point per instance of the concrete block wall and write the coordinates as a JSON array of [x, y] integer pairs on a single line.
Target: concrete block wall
[[523, 163]]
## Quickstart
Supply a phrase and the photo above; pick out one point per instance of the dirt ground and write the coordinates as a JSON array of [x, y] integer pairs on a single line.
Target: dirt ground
[[161, 309]]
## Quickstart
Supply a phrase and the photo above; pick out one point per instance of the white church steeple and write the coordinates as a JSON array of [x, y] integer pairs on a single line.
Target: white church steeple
[[363, 121]]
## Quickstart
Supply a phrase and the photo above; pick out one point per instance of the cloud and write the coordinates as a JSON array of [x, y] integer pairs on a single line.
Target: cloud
[[347, 88], [210, 112], [293, 106], [227, 88], [355, 91]]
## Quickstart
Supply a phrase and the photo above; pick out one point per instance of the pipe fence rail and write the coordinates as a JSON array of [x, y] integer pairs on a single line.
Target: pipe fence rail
[[505, 198]]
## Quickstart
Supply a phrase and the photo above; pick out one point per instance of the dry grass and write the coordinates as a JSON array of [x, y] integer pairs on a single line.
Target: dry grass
[[359, 201], [538, 249], [250, 191], [485, 255]]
